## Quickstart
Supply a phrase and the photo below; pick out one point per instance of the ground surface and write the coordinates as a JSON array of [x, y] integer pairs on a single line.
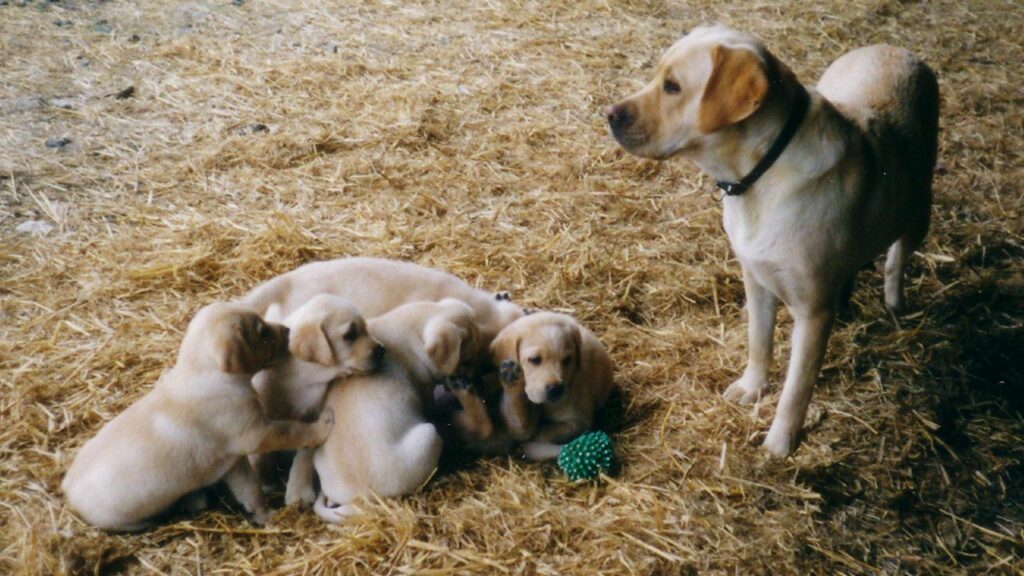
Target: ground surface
[[468, 135]]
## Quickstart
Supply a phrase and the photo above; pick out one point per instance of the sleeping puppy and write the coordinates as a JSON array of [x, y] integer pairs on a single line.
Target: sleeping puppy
[[564, 368], [376, 286], [816, 182], [329, 340], [388, 447], [193, 429]]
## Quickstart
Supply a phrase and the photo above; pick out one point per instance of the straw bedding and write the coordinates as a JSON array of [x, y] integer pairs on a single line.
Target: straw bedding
[[468, 136]]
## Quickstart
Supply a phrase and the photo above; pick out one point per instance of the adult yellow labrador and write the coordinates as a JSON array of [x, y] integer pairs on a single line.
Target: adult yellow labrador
[[817, 181]]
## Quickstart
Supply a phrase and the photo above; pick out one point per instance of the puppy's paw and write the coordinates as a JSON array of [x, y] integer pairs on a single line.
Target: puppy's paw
[[323, 425], [779, 443], [260, 517], [510, 372], [745, 390], [303, 496]]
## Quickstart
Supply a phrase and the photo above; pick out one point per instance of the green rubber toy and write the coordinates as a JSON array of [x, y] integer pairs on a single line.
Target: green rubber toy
[[587, 456]]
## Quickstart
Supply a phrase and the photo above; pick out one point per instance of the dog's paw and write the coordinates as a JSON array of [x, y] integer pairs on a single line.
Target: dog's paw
[[779, 443], [745, 391], [510, 372], [260, 517], [324, 424], [303, 496]]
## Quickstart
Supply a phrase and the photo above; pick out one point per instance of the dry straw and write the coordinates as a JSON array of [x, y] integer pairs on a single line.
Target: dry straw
[[467, 135]]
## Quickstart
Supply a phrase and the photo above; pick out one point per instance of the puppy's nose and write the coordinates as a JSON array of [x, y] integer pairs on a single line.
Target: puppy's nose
[[555, 392], [619, 117], [378, 353]]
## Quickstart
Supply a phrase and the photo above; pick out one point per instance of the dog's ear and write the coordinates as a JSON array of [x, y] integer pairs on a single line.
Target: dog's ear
[[236, 354], [309, 342], [443, 342], [505, 347], [735, 90]]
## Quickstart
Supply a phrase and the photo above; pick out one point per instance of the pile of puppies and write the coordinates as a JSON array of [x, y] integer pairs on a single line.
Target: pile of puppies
[[367, 368]]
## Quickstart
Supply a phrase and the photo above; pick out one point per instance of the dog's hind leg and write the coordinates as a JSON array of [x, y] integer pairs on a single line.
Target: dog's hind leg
[[896, 261]]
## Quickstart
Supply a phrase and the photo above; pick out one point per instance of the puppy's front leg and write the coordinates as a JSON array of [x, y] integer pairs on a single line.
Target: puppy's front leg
[[244, 485], [300, 479], [761, 305], [292, 435], [810, 338]]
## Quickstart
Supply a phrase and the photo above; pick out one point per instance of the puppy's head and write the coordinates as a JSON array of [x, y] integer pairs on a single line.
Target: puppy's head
[[328, 330], [450, 336], [232, 338], [710, 79], [547, 346]]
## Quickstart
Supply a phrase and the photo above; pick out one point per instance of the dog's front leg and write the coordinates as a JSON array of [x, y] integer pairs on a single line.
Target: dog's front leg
[[810, 338], [244, 485], [292, 435], [300, 479], [761, 305]]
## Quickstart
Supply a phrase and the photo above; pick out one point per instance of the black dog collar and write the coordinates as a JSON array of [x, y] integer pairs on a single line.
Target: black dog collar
[[796, 116]]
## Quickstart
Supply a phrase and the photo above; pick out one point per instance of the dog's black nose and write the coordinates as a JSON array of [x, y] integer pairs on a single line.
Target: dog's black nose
[[619, 117], [378, 354], [555, 392]]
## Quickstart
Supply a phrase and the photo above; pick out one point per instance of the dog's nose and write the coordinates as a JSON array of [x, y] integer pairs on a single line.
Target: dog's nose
[[618, 116], [555, 392], [378, 353]]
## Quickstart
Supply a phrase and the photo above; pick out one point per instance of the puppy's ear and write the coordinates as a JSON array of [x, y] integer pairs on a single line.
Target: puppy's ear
[[735, 90], [236, 354], [443, 342], [505, 347], [309, 342]]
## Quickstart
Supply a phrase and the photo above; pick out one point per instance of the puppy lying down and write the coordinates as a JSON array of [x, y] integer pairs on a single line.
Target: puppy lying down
[[193, 429], [560, 366], [387, 446]]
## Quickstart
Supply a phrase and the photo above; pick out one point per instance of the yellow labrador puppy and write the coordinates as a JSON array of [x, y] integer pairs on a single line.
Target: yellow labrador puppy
[[564, 368], [388, 447], [376, 286], [193, 429], [816, 181], [329, 340]]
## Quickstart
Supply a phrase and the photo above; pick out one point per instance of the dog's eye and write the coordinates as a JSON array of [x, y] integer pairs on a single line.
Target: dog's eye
[[351, 334], [670, 86], [535, 360], [566, 360]]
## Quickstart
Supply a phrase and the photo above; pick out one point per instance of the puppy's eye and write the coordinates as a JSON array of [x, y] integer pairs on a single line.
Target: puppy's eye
[[566, 360], [535, 360], [670, 86], [351, 334]]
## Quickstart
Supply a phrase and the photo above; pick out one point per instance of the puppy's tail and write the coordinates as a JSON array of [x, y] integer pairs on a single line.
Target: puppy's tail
[[330, 512]]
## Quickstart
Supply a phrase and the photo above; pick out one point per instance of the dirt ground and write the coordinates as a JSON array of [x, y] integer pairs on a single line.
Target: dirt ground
[[155, 157]]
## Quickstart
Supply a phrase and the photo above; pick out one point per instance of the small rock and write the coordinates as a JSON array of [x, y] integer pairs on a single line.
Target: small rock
[[252, 129], [125, 94], [134, 38], [238, 2], [58, 142], [60, 23], [35, 227], [103, 27]]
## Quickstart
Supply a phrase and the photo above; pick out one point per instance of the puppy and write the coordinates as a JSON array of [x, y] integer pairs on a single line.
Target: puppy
[[329, 340], [564, 368], [193, 429], [817, 182], [376, 286], [388, 447]]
